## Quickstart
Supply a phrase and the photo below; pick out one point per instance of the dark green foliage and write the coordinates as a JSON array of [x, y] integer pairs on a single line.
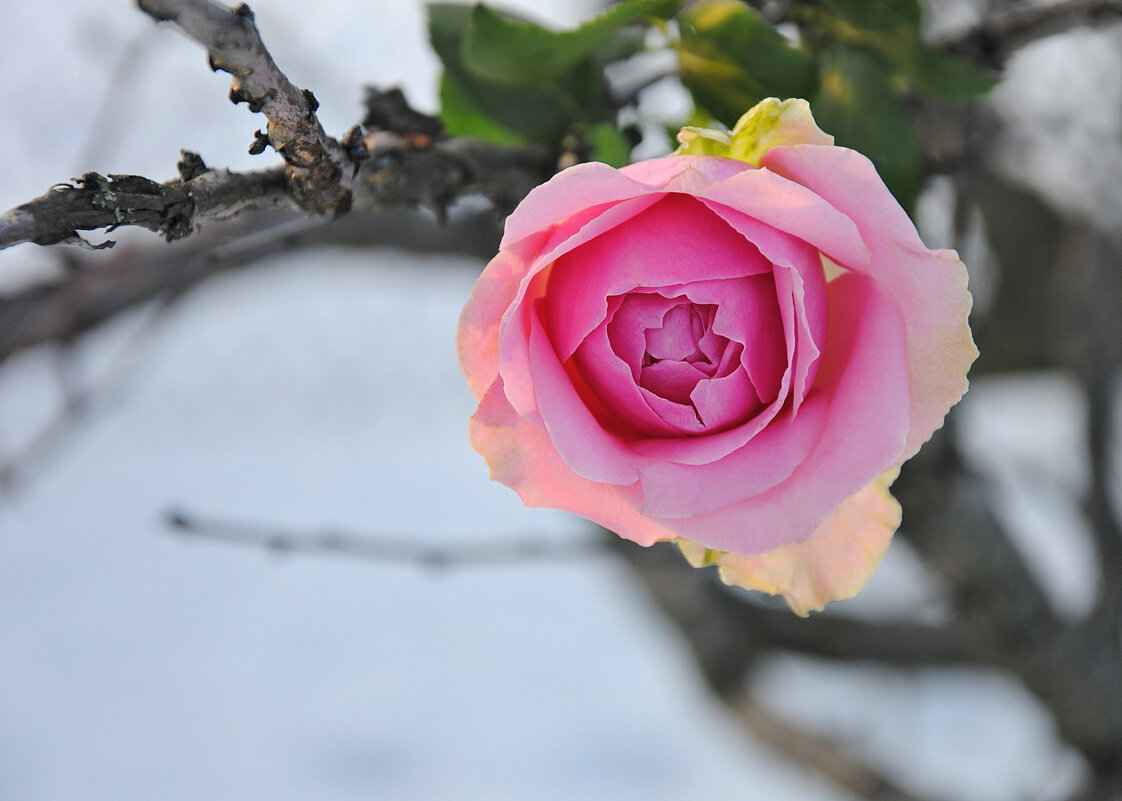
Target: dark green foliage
[[732, 59], [858, 105], [860, 63], [507, 80], [512, 51]]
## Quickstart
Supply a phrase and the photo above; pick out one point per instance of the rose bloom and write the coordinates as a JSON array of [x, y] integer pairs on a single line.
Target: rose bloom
[[734, 348]]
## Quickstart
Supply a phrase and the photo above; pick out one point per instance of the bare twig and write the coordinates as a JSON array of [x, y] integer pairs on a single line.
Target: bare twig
[[821, 755], [319, 169], [380, 547]]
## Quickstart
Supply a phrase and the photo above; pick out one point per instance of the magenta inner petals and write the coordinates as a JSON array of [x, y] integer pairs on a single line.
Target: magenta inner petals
[[707, 333], [636, 254], [678, 337]]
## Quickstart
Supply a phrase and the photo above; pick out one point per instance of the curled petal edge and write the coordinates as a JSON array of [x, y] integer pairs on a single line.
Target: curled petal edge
[[834, 564]]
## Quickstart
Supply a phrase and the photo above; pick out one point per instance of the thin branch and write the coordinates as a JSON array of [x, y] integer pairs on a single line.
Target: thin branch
[[381, 548], [728, 632], [819, 754], [319, 170]]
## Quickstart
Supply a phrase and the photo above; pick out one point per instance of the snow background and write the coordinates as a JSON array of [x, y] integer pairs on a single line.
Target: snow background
[[322, 389]]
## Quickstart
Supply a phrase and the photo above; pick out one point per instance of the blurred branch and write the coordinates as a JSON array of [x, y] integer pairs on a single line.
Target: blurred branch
[[318, 169], [997, 37], [81, 401], [817, 753], [1003, 617], [728, 632], [94, 287], [1101, 370], [379, 547]]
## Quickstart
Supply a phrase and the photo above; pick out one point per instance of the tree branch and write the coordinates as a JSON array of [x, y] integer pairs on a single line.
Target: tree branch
[[727, 632], [997, 37], [1002, 616], [318, 169], [817, 753], [1100, 375], [96, 286], [171, 209], [379, 547]]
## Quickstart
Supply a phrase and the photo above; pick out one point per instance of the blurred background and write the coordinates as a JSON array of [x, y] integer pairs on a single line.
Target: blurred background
[[316, 393]]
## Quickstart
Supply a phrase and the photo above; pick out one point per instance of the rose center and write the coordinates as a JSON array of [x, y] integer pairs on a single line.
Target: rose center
[[680, 349]]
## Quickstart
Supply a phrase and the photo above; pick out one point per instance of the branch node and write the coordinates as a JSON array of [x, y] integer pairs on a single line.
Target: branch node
[[191, 165]]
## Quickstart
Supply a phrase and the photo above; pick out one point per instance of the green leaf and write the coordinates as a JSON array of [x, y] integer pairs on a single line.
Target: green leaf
[[857, 104], [730, 59], [891, 29], [879, 15], [537, 113], [609, 145], [511, 51], [461, 117], [948, 77]]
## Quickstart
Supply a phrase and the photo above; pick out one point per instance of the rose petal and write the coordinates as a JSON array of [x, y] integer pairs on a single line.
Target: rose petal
[[806, 287], [725, 401], [864, 375], [791, 208], [747, 312], [586, 446], [675, 490], [613, 379], [523, 458], [836, 562], [477, 334], [677, 338], [929, 286], [638, 254], [514, 331], [673, 381]]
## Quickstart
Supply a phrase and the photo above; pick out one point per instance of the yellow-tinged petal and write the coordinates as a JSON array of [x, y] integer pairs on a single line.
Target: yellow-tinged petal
[[770, 123], [833, 564]]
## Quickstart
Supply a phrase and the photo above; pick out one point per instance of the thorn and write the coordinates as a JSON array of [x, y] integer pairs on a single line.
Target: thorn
[[260, 142], [310, 99]]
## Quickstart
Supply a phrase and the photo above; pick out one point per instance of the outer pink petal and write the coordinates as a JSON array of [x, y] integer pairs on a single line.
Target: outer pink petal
[[833, 564], [584, 186], [477, 335], [522, 457], [929, 286], [673, 490], [514, 333], [791, 208]]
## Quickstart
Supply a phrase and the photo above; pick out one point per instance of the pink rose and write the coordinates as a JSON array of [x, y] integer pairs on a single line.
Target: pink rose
[[734, 347]]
